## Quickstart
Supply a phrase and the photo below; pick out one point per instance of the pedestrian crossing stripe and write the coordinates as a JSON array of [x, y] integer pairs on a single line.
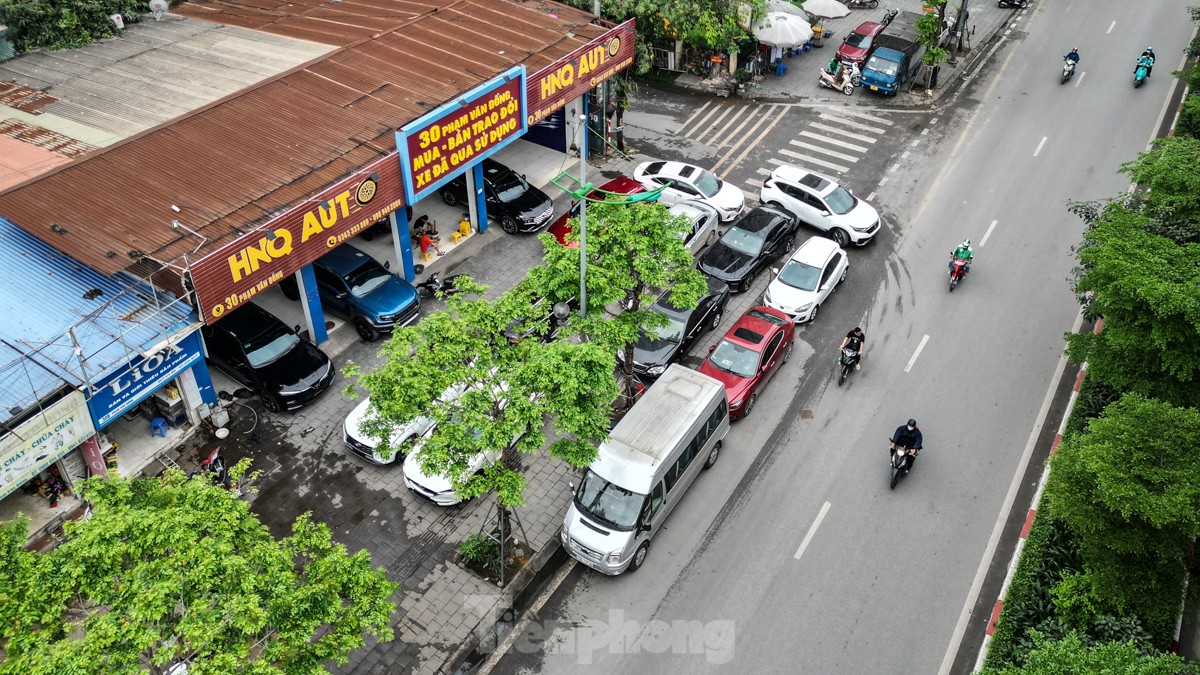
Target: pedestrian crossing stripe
[[833, 141], [810, 160], [826, 151], [851, 123]]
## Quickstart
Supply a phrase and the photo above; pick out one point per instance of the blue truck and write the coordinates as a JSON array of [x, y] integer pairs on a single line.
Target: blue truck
[[897, 55]]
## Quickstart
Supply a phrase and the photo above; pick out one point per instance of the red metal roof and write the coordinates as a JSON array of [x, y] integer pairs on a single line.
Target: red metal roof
[[238, 161]]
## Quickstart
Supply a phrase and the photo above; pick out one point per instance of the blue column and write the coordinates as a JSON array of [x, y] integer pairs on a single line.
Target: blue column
[[204, 382], [311, 302], [402, 243], [480, 199]]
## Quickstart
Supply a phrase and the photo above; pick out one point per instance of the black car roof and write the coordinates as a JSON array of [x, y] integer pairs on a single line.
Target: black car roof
[[249, 321], [760, 219]]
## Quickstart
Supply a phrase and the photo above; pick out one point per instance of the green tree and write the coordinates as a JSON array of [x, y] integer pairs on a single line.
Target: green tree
[[1170, 174], [174, 570], [1188, 123], [1071, 656], [1130, 489], [930, 29], [633, 251], [1147, 289]]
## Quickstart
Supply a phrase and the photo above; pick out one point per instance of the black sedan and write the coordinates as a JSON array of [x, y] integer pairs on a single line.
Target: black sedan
[[517, 205], [262, 353], [749, 245], [653, 353]]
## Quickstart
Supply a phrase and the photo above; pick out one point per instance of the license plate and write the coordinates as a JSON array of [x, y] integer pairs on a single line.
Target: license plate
[[874, 88]]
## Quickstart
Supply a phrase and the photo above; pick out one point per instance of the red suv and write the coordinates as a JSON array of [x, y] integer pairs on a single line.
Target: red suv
[[621, 185], [859, 43]]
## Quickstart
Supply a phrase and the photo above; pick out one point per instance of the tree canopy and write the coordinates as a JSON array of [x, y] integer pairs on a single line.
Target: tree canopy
[[1170, 174], [1070, 656], [175, 570]]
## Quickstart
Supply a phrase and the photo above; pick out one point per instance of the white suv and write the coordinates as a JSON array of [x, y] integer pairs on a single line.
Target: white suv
[[819, 201]]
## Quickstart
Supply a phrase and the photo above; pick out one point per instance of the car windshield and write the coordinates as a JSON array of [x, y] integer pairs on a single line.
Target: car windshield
[[734, 358], [509, 185], [840, 201], [708, 184], [799, 275], [858, 40], [883, 66], [368, 277], [269, 347], [671, 332], [742, 241], [607, 502]]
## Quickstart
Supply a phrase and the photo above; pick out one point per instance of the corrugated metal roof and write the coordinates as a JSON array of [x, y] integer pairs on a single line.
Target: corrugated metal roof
[[249, 156], [46, 295]]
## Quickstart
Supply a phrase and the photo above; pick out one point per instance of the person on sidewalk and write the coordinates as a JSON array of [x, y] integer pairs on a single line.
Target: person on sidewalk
[[427, 242]]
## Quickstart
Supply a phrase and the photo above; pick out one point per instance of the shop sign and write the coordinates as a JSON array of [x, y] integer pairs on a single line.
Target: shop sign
[[143, 376], [43, 440], [248, 265], [580, 71], [443, 142]]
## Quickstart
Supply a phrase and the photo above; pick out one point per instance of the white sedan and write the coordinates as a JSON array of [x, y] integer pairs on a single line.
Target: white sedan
[[439, 489], [807, 279], [681, 182]]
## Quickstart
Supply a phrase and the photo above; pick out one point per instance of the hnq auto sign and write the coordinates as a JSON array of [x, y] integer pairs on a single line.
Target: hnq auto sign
[[246, 266], [580, 71]]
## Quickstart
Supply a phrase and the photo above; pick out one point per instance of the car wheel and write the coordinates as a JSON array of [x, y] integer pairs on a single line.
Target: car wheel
[[750, 404], [788, 243], [712, 456], [272, 403], [716, 320], [290, 290], [813, 317], [748, 281], [449, 198], [366, 330], [840, 237], [844, 273], [639, 556], [508, 224], [712, 238], [788, 354]]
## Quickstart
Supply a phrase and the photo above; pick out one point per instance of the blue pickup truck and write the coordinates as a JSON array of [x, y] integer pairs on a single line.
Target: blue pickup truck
[[897, 55]]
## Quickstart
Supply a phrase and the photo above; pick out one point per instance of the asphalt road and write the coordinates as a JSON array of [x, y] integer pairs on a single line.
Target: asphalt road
[[793, 555]]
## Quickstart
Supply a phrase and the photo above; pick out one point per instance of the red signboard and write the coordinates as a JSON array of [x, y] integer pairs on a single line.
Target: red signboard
[[440, 145], [248, 265], [579, 72]]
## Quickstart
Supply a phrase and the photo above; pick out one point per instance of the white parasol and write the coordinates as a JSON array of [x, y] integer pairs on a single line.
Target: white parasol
[[781, 29], [826, 9]]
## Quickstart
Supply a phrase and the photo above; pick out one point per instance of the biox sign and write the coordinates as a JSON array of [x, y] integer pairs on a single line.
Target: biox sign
[[143, 375]]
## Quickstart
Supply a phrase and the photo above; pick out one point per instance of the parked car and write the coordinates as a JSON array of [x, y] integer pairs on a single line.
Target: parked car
[[821, 202], [621, 185], [705, 223], [748, 245], [438, 489], [359, 442], [652, 353], [807, 279], [517, 205], [264, 355], [859, 43], [749, 355], [356, 286], [681, 182]]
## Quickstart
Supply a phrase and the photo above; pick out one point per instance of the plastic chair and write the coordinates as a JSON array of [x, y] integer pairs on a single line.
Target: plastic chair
[[457, 236], [428, 255], [158, 427]]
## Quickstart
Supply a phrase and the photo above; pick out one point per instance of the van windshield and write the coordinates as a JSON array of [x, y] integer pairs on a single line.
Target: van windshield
[[608, 503]]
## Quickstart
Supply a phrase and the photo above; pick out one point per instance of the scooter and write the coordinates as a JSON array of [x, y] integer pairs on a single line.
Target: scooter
[[846, 362], [213, 466], [862, 4], [847, 81], [1142, 72], [958, 270], [1068, 70], [898, 458], [433, 286], [1019, 4]]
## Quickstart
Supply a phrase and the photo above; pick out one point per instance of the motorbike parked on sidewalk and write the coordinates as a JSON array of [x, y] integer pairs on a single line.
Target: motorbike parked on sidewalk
[[433, 286], [958, 271], [846, 80], [1018, 4], [862, 4], [846, 362], [1068, 70], [213, 467], [899, 459]]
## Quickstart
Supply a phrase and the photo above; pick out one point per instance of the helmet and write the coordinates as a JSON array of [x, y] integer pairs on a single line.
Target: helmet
[[1074, 49], [1149, 49], [912, 422], [966, 243]]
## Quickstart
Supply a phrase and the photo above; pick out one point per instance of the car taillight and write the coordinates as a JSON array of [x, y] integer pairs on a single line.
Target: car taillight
[[767, 183]]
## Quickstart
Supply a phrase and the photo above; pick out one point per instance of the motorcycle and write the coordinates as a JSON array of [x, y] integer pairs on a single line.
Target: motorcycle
[[1068, 70], [846, 81], [862, 4], [433, 286], [958, 270], [1140, 75], [846, 362], [213, 466], [898, 458], [1019, 4]]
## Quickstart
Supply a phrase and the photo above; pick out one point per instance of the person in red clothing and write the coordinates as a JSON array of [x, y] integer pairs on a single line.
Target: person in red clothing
[[427, 243]]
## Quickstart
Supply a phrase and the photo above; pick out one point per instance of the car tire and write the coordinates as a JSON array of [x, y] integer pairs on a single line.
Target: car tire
[[639, 556], [716, 319], [290, 290], [748, 281], [449, 198], [750, 404], [712, 238], [366, 330], [844, 273], [840, 236], [508, 224], [712, 457], [813, 317], [788, 244], [788, 354], [272, 403]]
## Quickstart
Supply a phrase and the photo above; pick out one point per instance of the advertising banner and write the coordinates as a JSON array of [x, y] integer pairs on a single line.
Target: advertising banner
[[248, 265], [41, 441], [122, 390], [443, 142], [580, 71]]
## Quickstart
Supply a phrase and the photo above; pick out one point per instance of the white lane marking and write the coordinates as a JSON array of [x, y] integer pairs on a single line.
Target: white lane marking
[[1039, 147], [925, 131], [829, 166], [763, 171], [883, 181], [715, 140], [917, 142], [1082, 75], [933, 121], [823, 151], [834, 141], [757, 124], [904, 155], [754, 182], [713, 125], [985, 235], [916, 354], [703, 120], [738, 160], [812, 530], [873, 118], [851, 123], [688, 120], [1110, 27], [736, 133], [871, 196], [960, 629], [842, 132]]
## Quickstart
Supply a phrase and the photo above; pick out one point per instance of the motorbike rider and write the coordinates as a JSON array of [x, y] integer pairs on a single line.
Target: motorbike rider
[[1149, 62], [1073, 56], [962, 252], [907, 436], [856, 341]]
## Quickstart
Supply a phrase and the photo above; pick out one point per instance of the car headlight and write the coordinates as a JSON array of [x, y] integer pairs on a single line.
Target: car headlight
[[656, 370], [862, 229], [614, 557], [804, 308], [767, 297], [735, 405]]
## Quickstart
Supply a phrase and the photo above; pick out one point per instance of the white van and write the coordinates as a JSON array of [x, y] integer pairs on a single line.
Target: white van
[[642, 470]]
